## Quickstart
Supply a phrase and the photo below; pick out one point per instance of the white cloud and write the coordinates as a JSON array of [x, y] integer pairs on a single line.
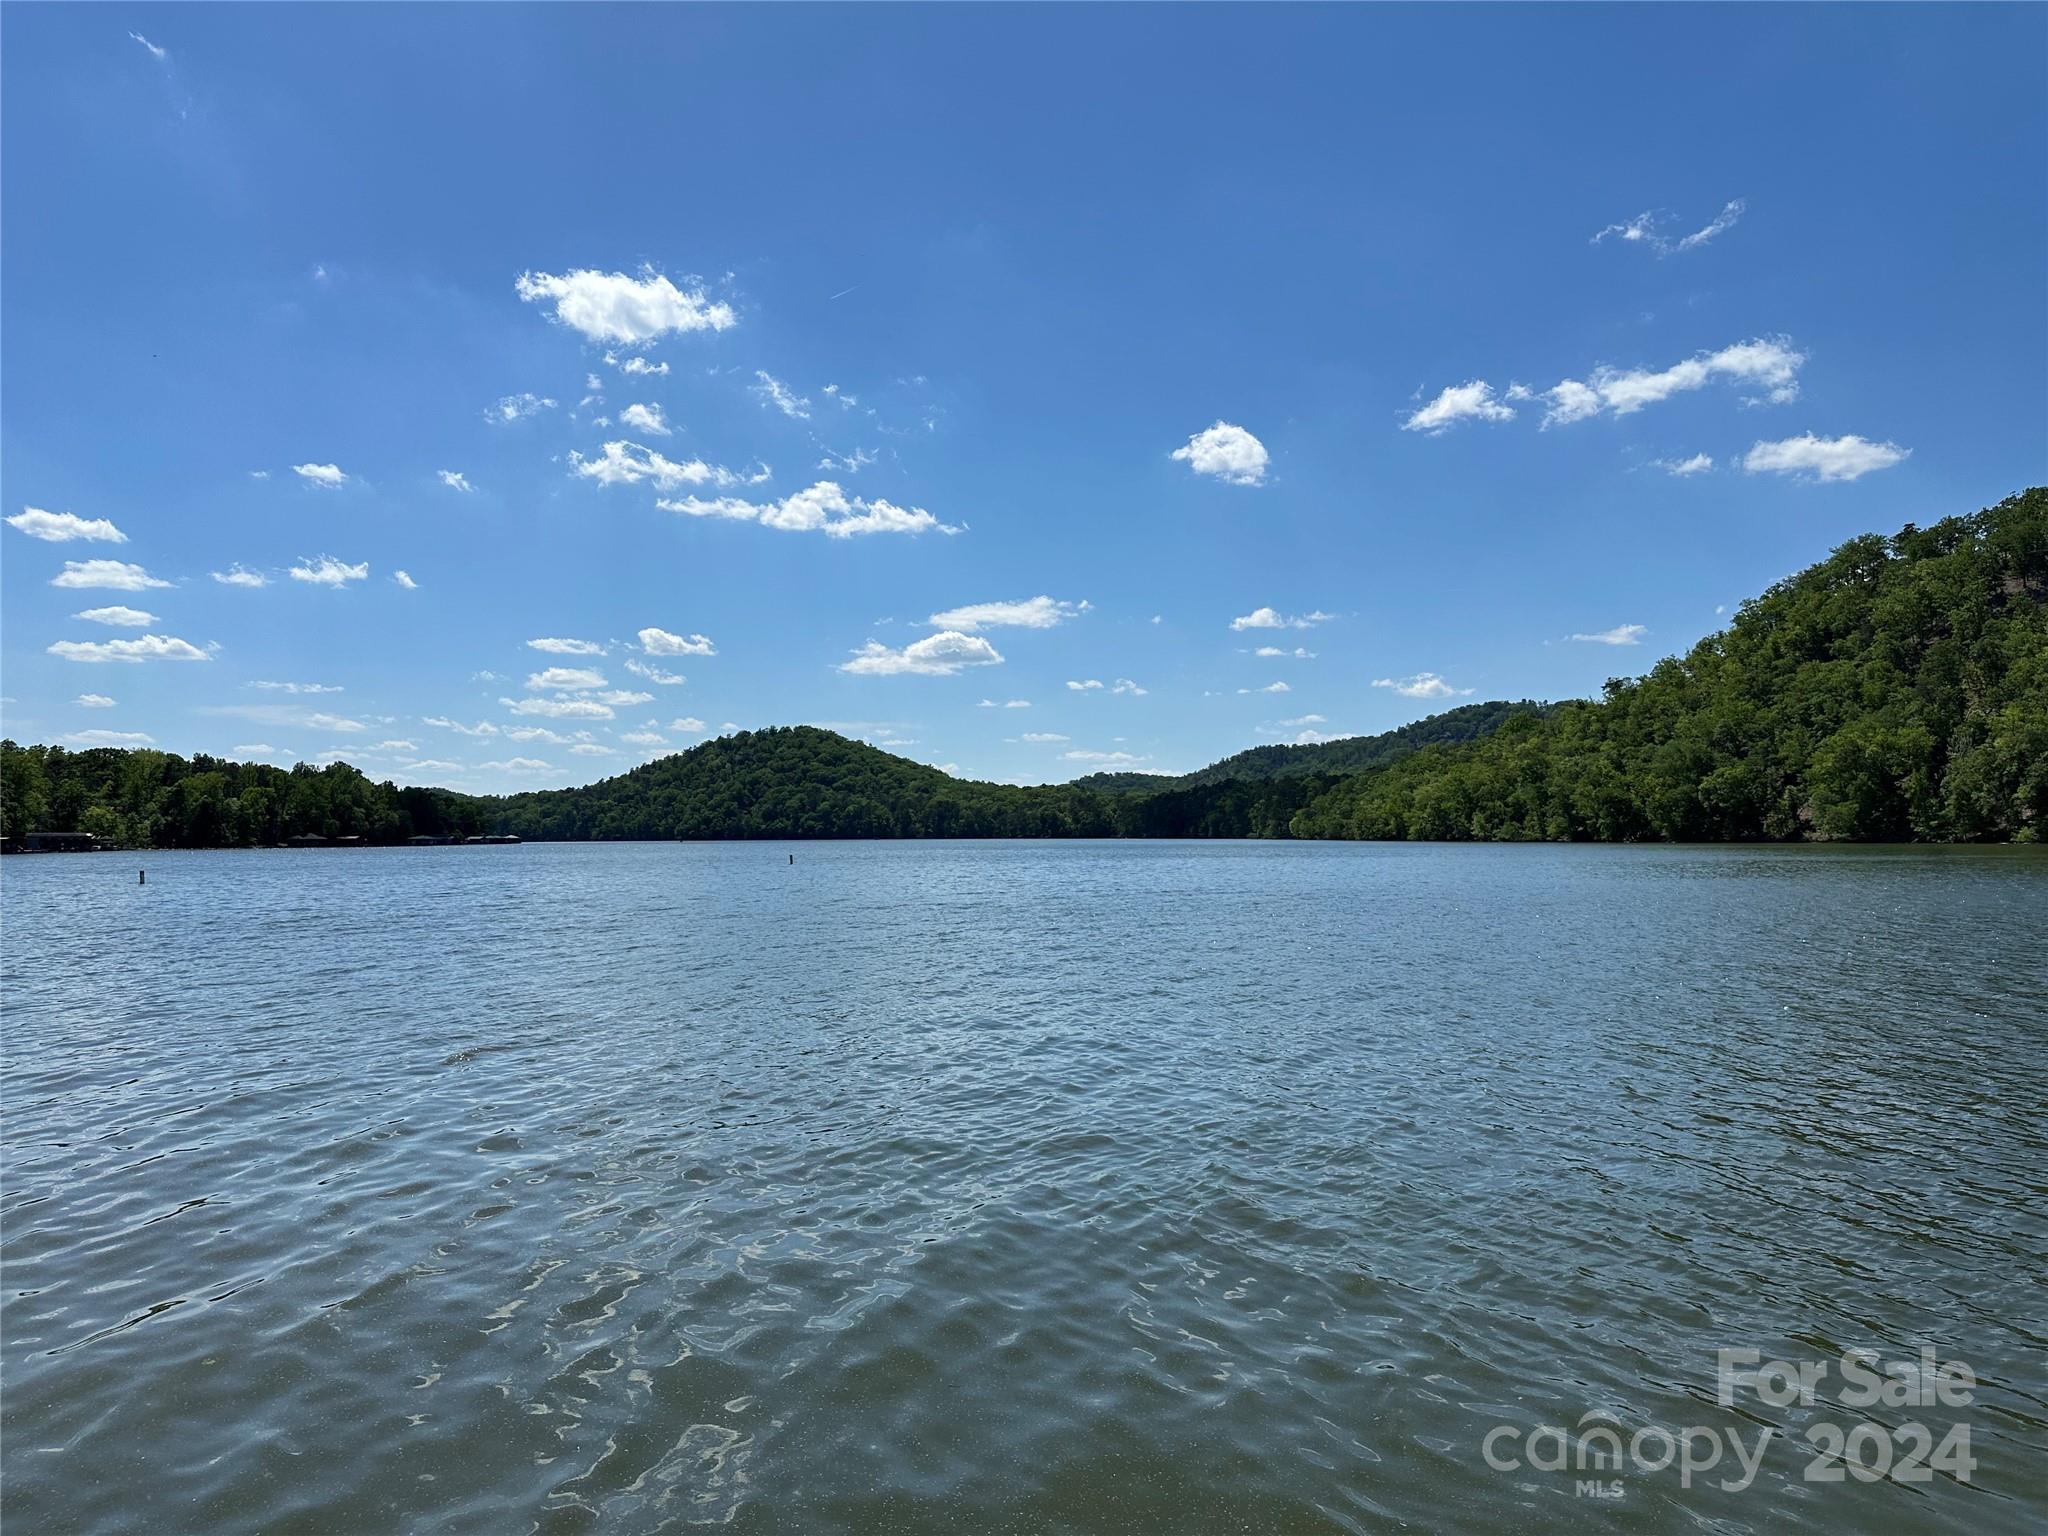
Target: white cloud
[[109, 739], [823, 508], [559, 709], [1299, 653], [612, 307], [847, 463], [1423, 685], [654, 674], [1029, 613], [1274, 687], [327, 475], [567, 679], [1272, 618], [62, 527], [590, 749], [659, 642], [113, 575], [1698, 464], [519, 765], [1084, 685], [558, 647], [643, 738], [624, 463], [519, 407], [93, 701], [689, 725], [124, 618], [325, 722], [455, 480], [645, 418], [271, 687], [254, 749], [1125, 685], [1473, 401], [622, 697], [159, 54], [481, 728], [1006, 704], [398, 744], [939, 655], [1102, 759], [143, 648], [1621, 634], [405, 581], [1307, 720], [431, 765], [1229, 453], [1044, 736], [326, 571], [257, 474], [237, 576], [778, 394], [1642, 230], [1824, 458], [635, 365], [1770, 363]]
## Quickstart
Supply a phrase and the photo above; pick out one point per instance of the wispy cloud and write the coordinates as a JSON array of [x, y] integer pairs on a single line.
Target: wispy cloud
[[556, 646], [455, 480], [1027, 613], [645, 418], [511, 408], [237, 575], [1698, 464], [1473, 401], [326, 476], [1621, 634], [627, 463], [1769, 363], [772, 391], [1644, 230], [159, 54]]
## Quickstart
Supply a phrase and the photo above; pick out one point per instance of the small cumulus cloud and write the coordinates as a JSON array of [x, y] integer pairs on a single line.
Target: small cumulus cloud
[[326, 571], [1227, 452], [1423, 685], [1824, 458], [614, 307], [327, 476], [939, 655], [1621, 634], [143, 648], [63, 527], [111, 575]]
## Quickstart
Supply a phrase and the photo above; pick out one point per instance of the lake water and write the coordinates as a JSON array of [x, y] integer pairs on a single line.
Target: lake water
[[971, 1187]]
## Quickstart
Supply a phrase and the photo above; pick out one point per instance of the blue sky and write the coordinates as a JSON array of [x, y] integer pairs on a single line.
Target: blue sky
[[980, 353]]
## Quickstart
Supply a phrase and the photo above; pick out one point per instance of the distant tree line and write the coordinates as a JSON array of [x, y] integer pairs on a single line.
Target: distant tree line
[[1898, 690], [147, 799]]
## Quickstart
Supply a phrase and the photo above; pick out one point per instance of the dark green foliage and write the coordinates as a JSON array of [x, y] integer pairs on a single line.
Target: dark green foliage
[[1898, 690], [798, 781], [149, 799], [1351, 754]]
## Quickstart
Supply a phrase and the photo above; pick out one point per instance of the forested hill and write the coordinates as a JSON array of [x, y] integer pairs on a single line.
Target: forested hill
[[1347, 754], [1897, 690]]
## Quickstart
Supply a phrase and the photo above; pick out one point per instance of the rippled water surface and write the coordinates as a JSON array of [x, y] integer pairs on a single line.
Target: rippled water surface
[[1004, 1187]]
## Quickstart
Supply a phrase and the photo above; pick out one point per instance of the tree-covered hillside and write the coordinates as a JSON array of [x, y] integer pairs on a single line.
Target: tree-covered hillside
[[798, 781], [1347, 754], [1899, 689]]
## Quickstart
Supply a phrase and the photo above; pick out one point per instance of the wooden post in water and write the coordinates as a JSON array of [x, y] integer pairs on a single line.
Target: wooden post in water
[[142, 877]]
